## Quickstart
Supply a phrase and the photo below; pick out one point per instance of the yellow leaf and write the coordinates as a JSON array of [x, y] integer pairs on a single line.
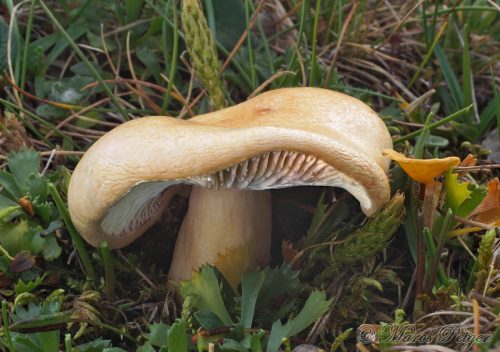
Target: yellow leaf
[[456, 192], [232, 264], [422, 170]]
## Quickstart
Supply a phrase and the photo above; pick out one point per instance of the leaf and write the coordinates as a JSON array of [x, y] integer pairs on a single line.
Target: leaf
[[315, 306], [279, 284], [133, 9], [177, 338], [51, 249], [37, 187], [232, 264], [456, 192], [208, 320], [146, 348], [17, 237], [233, 346], [22, 165], [4, 38], [150, 60], [97, 345], [29, 286], [255, 341], [422, 170], [205, 294], [8, 213], [8, 182], [488, 211], [250, 287], [23, 261], [230, 21], [158, 334]]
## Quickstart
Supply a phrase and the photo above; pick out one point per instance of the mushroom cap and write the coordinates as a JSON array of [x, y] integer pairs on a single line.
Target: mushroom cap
[[311, 136]]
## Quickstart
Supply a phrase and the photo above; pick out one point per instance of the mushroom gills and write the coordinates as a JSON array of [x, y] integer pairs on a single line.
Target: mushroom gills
[[277, 169]]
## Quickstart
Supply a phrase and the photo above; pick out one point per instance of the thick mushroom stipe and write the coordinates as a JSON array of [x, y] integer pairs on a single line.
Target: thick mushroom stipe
[[281, 138], [211, 224]]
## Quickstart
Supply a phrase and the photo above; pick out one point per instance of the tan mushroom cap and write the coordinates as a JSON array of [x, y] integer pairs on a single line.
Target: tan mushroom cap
[[334, 128]]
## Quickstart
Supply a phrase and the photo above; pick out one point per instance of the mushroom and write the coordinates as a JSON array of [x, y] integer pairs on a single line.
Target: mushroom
[[231, 158]]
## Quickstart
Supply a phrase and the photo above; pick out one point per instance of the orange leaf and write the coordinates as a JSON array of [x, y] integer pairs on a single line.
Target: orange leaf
[[488, 211], [422, 170], [470, 160], [232, 264]]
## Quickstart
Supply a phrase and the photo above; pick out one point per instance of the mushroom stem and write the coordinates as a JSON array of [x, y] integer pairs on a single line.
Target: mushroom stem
[[235, 224]]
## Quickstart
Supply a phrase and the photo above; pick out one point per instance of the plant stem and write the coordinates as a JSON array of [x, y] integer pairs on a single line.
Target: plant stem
[[67, 343], [75, 236], [314, 44], [434, 125], [26, 47], [109, 271], [6, 328], [173, 64]]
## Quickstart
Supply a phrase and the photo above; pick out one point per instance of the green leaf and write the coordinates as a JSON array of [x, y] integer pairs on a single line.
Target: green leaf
[[146, 348], [230, 21], [22, 165], [97, 345], [158, 334], [208, 320], [22, 286], [255, 341], [18, 237], [476, 196], [8, 182], [177, 338], [232, 345], [150, 60], [205, 294], [280, 282], [133, 9], [6, 202], [4, 38], [251, 284], [51, 249], [315, 306], [37, 187], [450, 78], [8, 213], [456, 192]]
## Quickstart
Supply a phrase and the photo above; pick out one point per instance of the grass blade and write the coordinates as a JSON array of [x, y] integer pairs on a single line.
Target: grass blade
[[434, 125], [87, 63], [24, 66], [314, 44], [75, 236], [449, 77]]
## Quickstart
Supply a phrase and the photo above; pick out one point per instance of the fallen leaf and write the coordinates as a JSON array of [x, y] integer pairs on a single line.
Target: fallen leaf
[[492, 199], [470, 160], [232, 264], [488, 211], [23, 261], [422, 170]]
